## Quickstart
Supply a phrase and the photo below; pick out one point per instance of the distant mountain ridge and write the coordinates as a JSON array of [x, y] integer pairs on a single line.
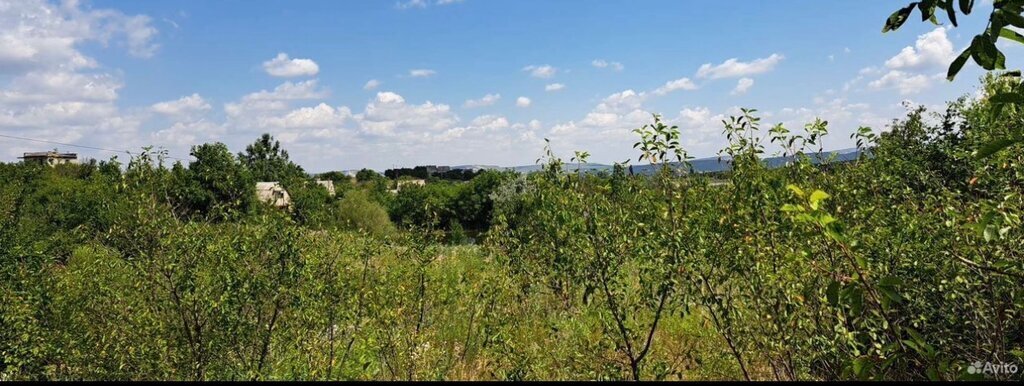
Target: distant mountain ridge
[[700, 165]]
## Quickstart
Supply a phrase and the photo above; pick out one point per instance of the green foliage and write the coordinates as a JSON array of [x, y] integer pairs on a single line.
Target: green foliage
[[356, 211], [267, 161], [901, 265], [367, 175], [983, 50], [215, 186]]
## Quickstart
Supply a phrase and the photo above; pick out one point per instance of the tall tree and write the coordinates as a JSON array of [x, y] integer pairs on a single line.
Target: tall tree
[[223, 184], [268, 161]]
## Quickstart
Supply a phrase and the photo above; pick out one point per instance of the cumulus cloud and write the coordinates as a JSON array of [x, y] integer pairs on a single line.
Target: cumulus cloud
[[479, 125], [389, 113], [733, 68], [606, 130], [674, 85], [542, 71], [371, 84], [320, 116], [182, 106], [523, 102], [284, 67], [742, 86], [906, 83], [50, 88], [554, 87], [424, 3], [422, 73], [486, 100], [54, 86], [184, 134], [914, 69], [601, 63], [932, 49], [411, 4], [253, 109]]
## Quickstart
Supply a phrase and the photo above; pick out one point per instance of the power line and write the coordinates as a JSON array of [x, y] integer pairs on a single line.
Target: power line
[[79, 146]]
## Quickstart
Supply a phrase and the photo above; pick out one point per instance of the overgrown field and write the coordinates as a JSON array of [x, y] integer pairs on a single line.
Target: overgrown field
[[905, 264]]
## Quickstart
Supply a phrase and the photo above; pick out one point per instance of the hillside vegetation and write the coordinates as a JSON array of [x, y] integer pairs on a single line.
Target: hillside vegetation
[[905, 264]]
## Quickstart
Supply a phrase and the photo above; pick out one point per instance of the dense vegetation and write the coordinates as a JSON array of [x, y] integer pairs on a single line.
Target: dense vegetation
[[904, 264]]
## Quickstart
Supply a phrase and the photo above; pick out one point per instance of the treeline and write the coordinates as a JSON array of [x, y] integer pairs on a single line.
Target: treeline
[[426, 173], [904, 264]]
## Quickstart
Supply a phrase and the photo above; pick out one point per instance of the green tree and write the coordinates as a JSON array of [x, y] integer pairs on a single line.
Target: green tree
[[223, 187], [267, 161], [368, 175]]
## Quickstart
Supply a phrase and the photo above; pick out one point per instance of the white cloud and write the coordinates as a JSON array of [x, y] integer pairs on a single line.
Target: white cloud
[[607, 128], [542, 72], [742, 86], [285, 67], [422, 73], [913, 69], [54, 86], [906, 83], [184, 134], [932, 50], [319, 116], [601, 63], [371, 84], [50, 88], [424, 3], [554, 87], [734, 68], [673, 85], [486, 100], [389, 114], [182, 106], [253, 109], [523, 102], [411, 4]]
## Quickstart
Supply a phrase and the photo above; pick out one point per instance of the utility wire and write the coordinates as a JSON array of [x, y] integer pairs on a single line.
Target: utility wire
[[80, 146]]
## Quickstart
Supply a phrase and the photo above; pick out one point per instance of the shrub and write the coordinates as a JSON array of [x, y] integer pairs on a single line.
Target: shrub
[[357, 212]]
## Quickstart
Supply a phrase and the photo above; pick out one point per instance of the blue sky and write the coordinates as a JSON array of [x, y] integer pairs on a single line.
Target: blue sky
[[351, 84]]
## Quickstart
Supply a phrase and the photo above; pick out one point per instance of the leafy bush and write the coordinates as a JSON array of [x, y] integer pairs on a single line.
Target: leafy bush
[[357, 212]]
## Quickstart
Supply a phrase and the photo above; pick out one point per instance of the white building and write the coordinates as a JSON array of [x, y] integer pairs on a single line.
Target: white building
[[273, 194], [50, 158]]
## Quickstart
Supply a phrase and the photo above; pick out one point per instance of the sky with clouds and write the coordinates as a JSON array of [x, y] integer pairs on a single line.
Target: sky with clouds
[[380, 84]]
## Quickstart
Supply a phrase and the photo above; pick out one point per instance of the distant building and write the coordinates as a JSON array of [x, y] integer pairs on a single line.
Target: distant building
[[406, 182], [50, 158], [433, 169], [414, 181], [273, 194], [327, 184]]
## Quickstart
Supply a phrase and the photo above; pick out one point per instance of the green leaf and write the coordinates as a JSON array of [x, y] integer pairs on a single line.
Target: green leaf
[[1012, 35], [816, 197], [994, 147], [966, 5], [792, 208], [862, 367], [951, 13], [1013, 19], [897, 18], [1007, 97], [832, 293], [888, 286], [796, 190], [927, 10], [985, 52], [958, 64]]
